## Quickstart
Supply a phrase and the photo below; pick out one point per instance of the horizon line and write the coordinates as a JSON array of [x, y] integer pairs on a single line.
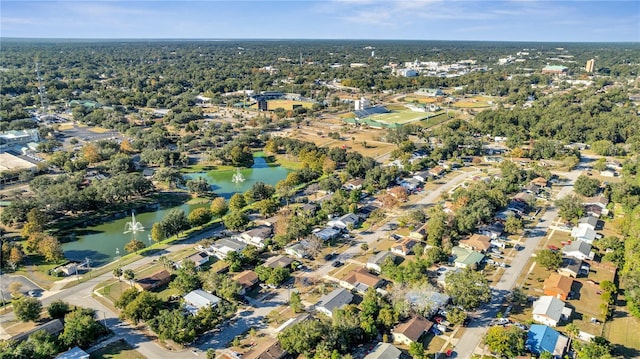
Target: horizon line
[[299, 39]]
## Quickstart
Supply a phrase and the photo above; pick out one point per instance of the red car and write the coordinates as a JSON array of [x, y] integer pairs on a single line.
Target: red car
[[553, 248]]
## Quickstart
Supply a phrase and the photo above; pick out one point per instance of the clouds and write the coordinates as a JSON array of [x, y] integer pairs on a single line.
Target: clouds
[[511, 20]]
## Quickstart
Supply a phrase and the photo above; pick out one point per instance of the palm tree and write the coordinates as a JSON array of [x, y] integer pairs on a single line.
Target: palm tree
[[117, 272], [129, 275]]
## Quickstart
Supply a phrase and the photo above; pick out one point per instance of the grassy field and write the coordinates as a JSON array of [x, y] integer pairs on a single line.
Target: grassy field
[[399, 117], [622, 331], [117, 350], [287, 104], [434, 120], [420, 99], [474, 102]]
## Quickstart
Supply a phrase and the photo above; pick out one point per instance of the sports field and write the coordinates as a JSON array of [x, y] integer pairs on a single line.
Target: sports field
[[399, 117], [287, 104]]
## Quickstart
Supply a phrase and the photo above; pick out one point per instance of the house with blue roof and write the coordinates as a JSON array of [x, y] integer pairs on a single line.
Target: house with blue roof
[[542, 338]]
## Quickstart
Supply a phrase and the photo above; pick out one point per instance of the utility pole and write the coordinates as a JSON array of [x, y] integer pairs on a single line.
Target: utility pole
[[42, 92]]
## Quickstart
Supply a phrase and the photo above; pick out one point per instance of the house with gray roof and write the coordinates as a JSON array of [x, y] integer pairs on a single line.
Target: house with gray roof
[[197, 299], [345, 221], [550, 310], [578, 249], [337, 299], [328, 233], [375, 262], [224, 246], [384, 351]]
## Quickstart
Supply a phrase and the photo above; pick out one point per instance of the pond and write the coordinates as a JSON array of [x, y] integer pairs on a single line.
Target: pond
[[99, 243]]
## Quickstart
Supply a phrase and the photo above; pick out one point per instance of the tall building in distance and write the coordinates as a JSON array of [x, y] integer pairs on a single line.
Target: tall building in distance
[[590, 66]]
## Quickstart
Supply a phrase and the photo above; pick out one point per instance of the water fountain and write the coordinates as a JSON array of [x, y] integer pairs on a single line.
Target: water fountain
[[237, 177], [133, 226]]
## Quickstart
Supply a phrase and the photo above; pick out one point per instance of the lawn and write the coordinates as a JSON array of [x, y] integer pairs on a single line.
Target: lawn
[[622, 331], [398, 117], [420, 99], [117, 350], [434, 120]]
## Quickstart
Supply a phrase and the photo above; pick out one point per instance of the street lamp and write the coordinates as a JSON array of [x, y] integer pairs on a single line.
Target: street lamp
[[117, 253]]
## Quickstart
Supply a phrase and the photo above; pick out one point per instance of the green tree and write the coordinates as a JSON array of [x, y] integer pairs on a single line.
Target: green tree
[[129, 275], [468, 288], [143, 308], [416, 350], [570, 207], [598, 347], [27, 309], [39, 345], [117, 272], [586, 186], [134, 245], [157, 232], [199, 216], [235, 220], [80, 328], [187, 278], [58, 309], [174, 222], [222, 286], [51, 249], [456, 316], [550, 260], [513, 225], [126, 297], [219, 206], [572, 330], [507, 342], [174, 325], [295, 303], [198, 186], [237, 202]]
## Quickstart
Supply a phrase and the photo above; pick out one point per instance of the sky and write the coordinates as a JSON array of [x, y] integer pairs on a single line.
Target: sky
[[480, 20]]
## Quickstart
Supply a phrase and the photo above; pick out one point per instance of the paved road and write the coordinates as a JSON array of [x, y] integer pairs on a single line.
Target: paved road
[[81, 295], [471, 339]]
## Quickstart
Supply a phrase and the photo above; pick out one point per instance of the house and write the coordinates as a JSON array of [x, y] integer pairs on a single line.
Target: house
[[420, 233], [542, 338], [466, 258], [345, 221], [296, 250], [503, 215], [590, 222], [73, 353], [558, 286], [600, 201], [411, 330], [361, 280], [436, 171], [411, 185], [517, 206], [69, 268], [405, 247], [531, 188], [268, 350], [198, 259], [583, 233], [256, 236], [493, 231], [608, 173], [353, 184], [523, 197], [224, 246], [365, 211], [279, 261], [595, 210], [384, 351], [550, 310], [578, 249], [442, 274], [540, 181], [328, 233], [197, 299], [422, 176], [154, 281], [337, 299], [570, 267], [148, 172], [476, 242], [307, 209], [376, 261], [427, 298], [247, 279]]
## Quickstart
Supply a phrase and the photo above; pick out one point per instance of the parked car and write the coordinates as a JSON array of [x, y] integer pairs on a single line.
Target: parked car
[[337, 264]]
